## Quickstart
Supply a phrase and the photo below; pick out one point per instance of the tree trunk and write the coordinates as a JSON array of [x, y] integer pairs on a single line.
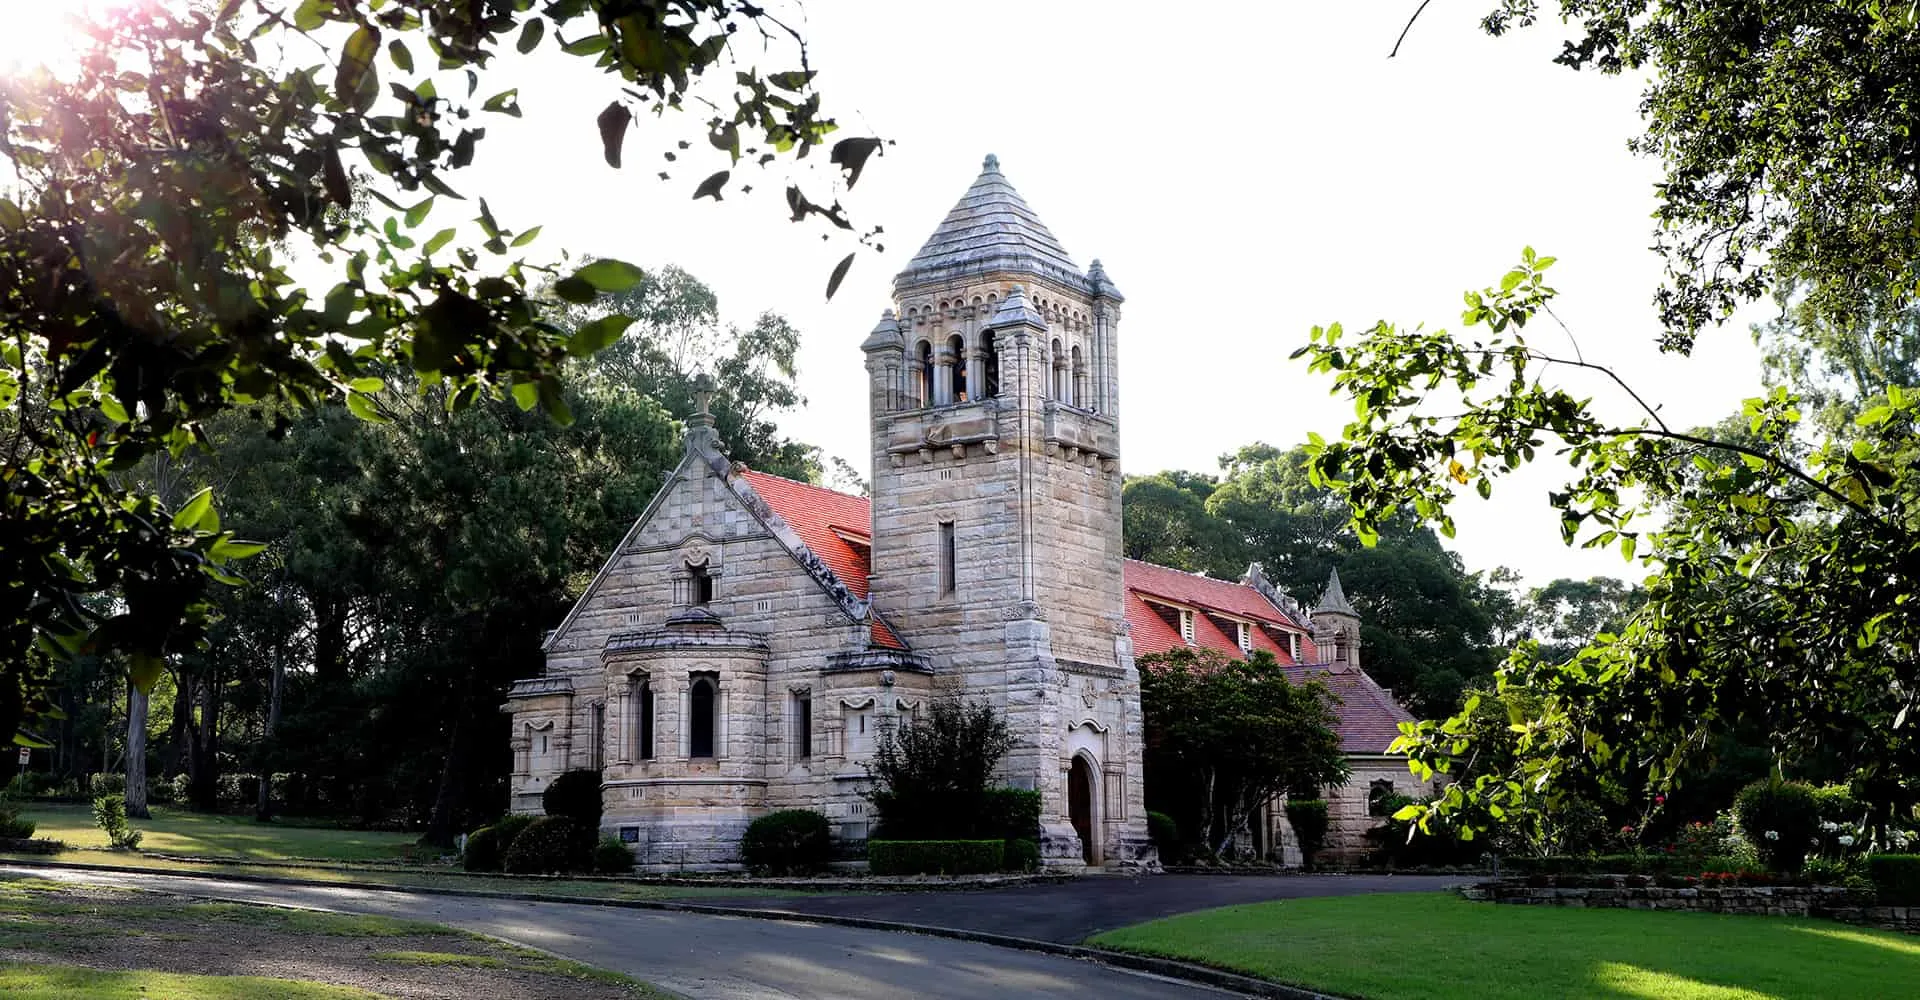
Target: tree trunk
[[263, 810], [447, 801], [203, 746], [137, 753]]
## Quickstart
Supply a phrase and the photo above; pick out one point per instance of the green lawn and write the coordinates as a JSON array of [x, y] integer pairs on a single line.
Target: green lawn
[[32, 981], [81, 942], [177, 831], [402, 877], [1436, 945]]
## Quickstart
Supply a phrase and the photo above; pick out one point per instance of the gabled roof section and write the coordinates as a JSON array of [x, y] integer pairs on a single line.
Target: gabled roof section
[[991, 229], [1230, 597], [1369, 717]]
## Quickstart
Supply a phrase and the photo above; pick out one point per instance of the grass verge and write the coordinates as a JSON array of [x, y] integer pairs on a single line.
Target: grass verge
[[88, 942], [178, 831], [398, 877], [1436, 946]]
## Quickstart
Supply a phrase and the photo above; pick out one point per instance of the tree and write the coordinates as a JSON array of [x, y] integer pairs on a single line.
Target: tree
[[1224, 736], [1777, 604], [167, 180], [1428, 624], [1785, 133], [931, 773]]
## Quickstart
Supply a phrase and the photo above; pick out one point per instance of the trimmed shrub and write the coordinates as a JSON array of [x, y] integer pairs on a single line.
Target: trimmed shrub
[[12, 827], [575, 795], [611, 857], [1022, 854], [1781, 820], [935, 857], [1011, 813], [487, 847], [99, 784], [549, 845], [788, 842], [1896, 878], [110, 814], [1165, 834], [1308, 817]]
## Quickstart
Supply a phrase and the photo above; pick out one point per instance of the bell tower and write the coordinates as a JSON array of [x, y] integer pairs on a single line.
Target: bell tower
[[994, 397]]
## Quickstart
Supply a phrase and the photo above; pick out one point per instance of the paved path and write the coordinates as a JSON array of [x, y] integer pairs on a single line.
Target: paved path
[[1071, 912], [708, 956]]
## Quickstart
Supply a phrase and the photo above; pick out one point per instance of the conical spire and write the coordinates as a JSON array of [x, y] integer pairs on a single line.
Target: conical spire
[[991, 229], [1334, 600]]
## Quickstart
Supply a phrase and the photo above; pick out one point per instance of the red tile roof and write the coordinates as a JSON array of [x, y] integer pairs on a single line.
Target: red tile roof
[[821, 517], [1369, 717]]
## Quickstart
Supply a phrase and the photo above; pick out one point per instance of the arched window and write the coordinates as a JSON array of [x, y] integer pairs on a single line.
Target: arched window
[[597, 754], [958, 369], [699, 585], [643, 721], [1058, 360], [990, 364], [701, 706], [923, 373], [1079, 378]]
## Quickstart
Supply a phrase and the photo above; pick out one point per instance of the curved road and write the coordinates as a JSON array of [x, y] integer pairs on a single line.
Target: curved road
[[709, 956]]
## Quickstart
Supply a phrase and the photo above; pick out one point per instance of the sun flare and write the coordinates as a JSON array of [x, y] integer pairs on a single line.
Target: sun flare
[[44, 32]]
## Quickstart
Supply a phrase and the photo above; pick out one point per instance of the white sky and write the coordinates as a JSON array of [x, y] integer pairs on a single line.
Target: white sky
[[1244, 171]]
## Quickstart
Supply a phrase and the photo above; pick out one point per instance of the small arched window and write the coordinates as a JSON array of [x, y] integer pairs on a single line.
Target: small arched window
[[958, 369], [699, 585], [1079, 378], [923, 373], [1058, 359], [701, 708], [990, 365]]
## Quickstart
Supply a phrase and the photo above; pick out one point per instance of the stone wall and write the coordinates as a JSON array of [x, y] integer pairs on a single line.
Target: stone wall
[[1827, 902], [776, 628]]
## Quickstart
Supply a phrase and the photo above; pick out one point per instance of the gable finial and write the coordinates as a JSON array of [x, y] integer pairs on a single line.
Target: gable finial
[[703, 387], [991, 164]]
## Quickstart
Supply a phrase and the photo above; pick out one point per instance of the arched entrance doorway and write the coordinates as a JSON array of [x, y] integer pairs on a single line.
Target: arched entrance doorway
[[1080, 806]]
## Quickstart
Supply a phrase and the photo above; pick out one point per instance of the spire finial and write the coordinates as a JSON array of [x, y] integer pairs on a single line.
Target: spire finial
[[992, 164]]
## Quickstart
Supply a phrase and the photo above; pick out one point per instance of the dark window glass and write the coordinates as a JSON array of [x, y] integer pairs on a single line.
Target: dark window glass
[[700, 708]]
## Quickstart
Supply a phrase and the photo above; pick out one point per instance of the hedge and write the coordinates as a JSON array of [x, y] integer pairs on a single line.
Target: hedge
[[935, 857], [1896, 878], [1780, 818], [1023, 854], [1308, 817], [612, 857], [788, 842], [551, 844], [1009, 813], [1165, 834], [575, 795], [487, 847]]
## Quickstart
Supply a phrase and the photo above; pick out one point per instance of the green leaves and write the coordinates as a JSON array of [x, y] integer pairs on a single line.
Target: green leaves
[[710, 188], [355, 82], [839, 275], [198, 512], [610, 275], [597, 335], [613, 122], [530, 35]]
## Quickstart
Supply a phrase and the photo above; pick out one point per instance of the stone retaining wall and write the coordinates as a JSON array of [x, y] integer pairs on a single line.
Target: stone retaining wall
[[1827, 902]]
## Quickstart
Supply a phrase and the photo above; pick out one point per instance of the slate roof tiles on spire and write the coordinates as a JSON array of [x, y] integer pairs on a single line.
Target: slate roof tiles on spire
[[1335, 599], [991, 229]]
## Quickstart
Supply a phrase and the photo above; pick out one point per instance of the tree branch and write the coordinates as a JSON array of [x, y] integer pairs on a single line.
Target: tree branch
[[1403, 31]]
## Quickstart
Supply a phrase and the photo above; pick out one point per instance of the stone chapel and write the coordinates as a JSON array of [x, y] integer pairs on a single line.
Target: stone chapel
[[749, 639]]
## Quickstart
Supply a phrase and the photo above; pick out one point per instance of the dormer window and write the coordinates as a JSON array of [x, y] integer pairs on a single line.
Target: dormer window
[[1293, 646], [1186, 627], [1246, 637]]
